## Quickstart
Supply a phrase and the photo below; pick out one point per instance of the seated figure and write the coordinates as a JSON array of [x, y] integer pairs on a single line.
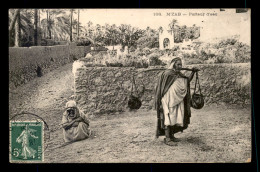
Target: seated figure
[[75, 123]]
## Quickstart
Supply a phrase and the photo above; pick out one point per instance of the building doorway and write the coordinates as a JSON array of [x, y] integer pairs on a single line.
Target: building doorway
[[166, 43]]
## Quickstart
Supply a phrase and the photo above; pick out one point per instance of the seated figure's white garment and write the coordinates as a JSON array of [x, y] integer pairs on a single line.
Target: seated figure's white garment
[[79, 132], [173, 104]]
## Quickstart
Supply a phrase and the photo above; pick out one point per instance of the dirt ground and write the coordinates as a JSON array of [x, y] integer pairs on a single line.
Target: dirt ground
[[217, 133]]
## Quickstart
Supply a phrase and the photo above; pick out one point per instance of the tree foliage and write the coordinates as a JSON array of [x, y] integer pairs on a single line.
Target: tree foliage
[[183, 32], [150, 39], [26, 27], [111, 35], [56, 24]]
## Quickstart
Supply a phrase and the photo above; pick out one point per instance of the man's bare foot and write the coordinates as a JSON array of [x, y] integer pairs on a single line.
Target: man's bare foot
[[168, 142], [174, 139]]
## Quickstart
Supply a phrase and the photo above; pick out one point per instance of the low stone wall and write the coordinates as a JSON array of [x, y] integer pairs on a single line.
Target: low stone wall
[[23, 61], [106, 89]]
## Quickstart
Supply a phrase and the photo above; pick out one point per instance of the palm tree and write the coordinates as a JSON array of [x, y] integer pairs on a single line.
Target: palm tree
[[27, 27], [129, 35], [194, 31], [17, 42], [48, 23], [160, 29], [56, 25], [71, 20], [78, 26], [172, 23], [97, 34], [74, 24], [132, 35], [89, 34], [13, 15], [112, 34], [23, 32], [122, 32], [183, 30], [35, 27], [177, 34]]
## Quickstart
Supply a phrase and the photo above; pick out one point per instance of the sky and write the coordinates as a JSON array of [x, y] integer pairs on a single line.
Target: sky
[[145, 17], [215, 23]]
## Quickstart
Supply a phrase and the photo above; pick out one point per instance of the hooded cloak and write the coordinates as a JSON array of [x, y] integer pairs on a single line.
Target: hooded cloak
[[165, 80], [79, 132]]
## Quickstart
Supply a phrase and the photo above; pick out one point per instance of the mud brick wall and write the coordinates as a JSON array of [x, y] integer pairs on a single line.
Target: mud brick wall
[[106, 89], [23, 61]]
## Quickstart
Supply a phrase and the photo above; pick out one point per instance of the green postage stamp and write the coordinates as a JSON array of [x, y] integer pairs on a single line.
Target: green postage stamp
[[26, 141]]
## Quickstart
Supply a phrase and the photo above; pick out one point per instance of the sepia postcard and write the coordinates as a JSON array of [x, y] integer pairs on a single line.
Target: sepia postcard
[[130, 85]]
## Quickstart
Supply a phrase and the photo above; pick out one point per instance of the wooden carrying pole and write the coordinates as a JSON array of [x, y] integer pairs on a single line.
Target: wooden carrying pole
[[165, 69]]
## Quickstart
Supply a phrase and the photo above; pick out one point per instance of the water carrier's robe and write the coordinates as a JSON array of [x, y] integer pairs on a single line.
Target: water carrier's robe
[[165, 80]]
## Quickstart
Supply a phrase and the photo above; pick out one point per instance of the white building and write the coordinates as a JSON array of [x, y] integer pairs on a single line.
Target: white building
[[166, 39]]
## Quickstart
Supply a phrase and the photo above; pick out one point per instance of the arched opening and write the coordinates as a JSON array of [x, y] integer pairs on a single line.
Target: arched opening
[[166, 43]]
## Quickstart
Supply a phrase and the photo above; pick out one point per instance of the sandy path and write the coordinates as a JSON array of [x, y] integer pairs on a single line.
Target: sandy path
[[216, 133]]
